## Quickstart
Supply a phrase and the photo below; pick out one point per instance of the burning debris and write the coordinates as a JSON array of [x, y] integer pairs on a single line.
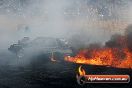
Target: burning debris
[[116, 52], [106, 57]]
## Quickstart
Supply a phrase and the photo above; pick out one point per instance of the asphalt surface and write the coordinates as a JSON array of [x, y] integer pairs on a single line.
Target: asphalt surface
[[42, 73]]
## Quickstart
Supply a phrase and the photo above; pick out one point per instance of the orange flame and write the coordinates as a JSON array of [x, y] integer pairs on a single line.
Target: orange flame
[[81, 71], [114, 57]]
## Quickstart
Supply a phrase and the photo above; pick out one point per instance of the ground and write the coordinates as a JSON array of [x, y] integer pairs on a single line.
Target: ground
[[47, 74]]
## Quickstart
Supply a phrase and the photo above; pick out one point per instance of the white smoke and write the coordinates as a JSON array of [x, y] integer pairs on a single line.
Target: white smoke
[[70, 19]]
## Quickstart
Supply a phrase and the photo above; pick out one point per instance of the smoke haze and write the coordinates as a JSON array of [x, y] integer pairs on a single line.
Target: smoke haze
[[80, 21]]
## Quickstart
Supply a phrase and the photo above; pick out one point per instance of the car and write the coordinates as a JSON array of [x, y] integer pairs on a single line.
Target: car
[[54, 48]]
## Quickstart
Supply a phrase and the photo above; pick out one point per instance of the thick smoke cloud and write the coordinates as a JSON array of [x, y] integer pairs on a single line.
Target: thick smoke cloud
[[121, 41], [80, 22], [59, 18], [129, 37]]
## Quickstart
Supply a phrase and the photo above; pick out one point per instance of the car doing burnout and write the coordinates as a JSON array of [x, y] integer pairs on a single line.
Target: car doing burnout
[[53, 47]]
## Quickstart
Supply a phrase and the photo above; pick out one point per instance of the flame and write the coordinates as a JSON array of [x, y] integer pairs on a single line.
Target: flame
[[113, 57], [81, 71]]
